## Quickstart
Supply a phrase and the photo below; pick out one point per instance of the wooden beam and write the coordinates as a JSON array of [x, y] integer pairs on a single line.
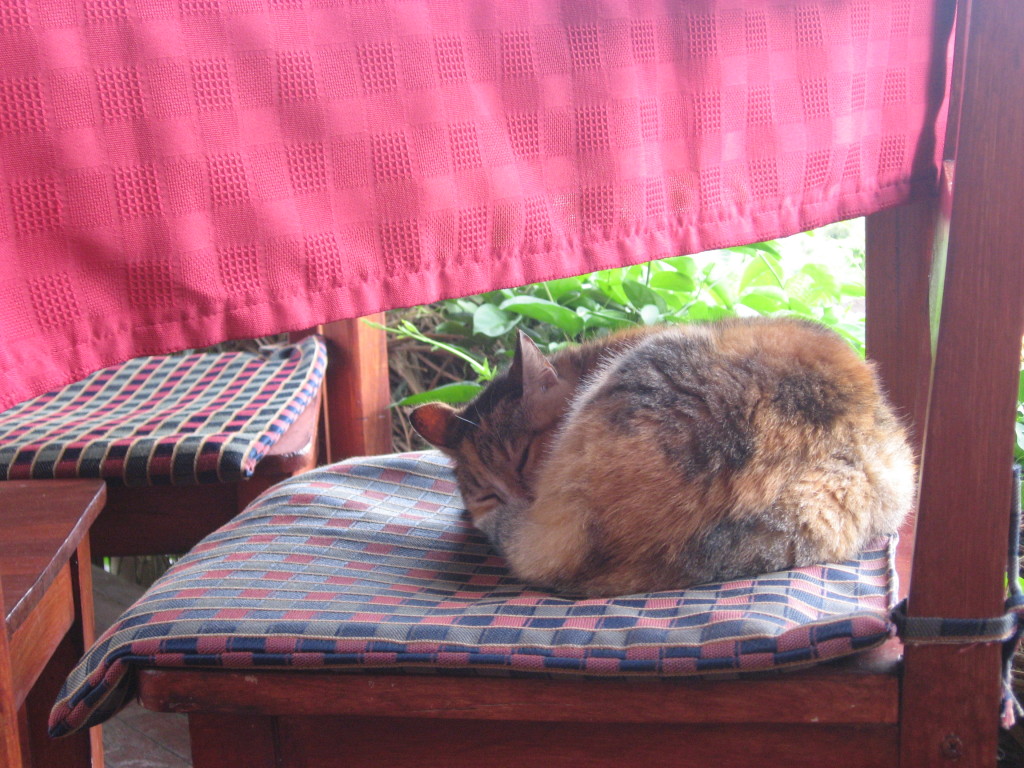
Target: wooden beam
[[357, 418], [10, 737], [951, 693], [861, 690]]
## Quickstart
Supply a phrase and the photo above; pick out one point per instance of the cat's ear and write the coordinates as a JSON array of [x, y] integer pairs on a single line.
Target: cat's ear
[[530, 368], [435, 422]]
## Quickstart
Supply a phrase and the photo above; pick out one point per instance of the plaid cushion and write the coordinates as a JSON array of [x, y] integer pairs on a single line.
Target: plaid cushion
[[371, 564], [197, 418]]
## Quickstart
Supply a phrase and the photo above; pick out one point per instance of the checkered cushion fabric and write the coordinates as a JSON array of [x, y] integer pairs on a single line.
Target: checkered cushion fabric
[[196, 418], [370, 564]]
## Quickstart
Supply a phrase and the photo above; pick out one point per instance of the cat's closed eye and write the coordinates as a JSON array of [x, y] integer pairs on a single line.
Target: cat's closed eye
[[523, 459]]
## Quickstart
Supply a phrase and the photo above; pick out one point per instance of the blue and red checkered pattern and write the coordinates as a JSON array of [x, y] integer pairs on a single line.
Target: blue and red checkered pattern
[[371, 564], [195, 418]]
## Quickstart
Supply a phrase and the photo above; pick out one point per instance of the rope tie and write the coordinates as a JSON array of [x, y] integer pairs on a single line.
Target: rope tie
[[1005, 629]]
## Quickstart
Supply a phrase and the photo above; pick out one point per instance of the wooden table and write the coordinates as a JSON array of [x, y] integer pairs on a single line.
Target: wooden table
[[47, 597]]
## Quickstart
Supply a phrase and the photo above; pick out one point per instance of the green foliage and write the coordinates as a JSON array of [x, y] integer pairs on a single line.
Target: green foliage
[[1018, 448], [817, 275]]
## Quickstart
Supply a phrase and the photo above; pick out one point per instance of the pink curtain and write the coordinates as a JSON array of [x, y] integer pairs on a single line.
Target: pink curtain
[[180, 172]]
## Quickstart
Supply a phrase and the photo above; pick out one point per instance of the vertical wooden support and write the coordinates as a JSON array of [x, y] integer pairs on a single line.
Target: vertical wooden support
[[357, 420], [23, 739], [899, 246], [84, 749], [10, 739], [966, 482]]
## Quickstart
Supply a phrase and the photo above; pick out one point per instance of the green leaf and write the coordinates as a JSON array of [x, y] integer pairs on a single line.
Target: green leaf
[[452, 328], [493, 322], [605, 318], [700, 310], [650, 314], [814, 285], [852, 288], [640, 296], [461, 307], [495, 297], [609, 283], [545, 311], [635, 272], [405, 329], [769, 247], [1020, 388], [686, 265], [800, 309], [459, 392], [823, 279], [593, 297], [556, 289], [721, 291], [676, 282], [763, 269], [765, 299]]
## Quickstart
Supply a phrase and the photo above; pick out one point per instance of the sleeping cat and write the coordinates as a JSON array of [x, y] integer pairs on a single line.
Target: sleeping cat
[[664, 457]]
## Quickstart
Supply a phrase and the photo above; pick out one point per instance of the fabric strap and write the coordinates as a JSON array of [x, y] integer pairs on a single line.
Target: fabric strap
[[1005, 629]]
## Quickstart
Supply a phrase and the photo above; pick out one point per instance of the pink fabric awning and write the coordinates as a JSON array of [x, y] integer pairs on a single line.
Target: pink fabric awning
[[180, 172]]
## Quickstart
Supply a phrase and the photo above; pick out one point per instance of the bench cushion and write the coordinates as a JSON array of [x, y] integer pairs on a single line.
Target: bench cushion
[[195, 418], [371, 564]]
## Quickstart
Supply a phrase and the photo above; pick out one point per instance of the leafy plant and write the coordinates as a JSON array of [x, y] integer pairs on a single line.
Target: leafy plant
[[817, 275]]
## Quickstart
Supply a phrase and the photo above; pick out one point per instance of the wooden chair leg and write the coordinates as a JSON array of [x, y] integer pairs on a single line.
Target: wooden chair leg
[[10, 737], [80, 750], [74, 751]]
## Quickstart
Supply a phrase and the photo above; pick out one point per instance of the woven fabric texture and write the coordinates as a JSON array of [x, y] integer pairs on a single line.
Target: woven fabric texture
[[174, 173], [197, 418], [370, 564]]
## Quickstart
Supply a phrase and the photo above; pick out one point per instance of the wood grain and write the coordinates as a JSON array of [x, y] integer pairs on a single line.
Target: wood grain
[[950, 692], [229, 740], [161, 520], [43, 523], [386, 743], [10, 725], [76, 750], [862, 692], [44, 559], [40, 633], [358, 422]]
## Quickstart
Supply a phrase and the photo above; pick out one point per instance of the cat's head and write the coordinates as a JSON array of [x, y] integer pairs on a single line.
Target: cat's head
[[499, 438]]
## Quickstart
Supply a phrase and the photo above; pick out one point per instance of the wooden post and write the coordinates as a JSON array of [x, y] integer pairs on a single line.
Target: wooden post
[[966, 481], [10, 739], [899, 244], [357, 419], [83, 749]]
